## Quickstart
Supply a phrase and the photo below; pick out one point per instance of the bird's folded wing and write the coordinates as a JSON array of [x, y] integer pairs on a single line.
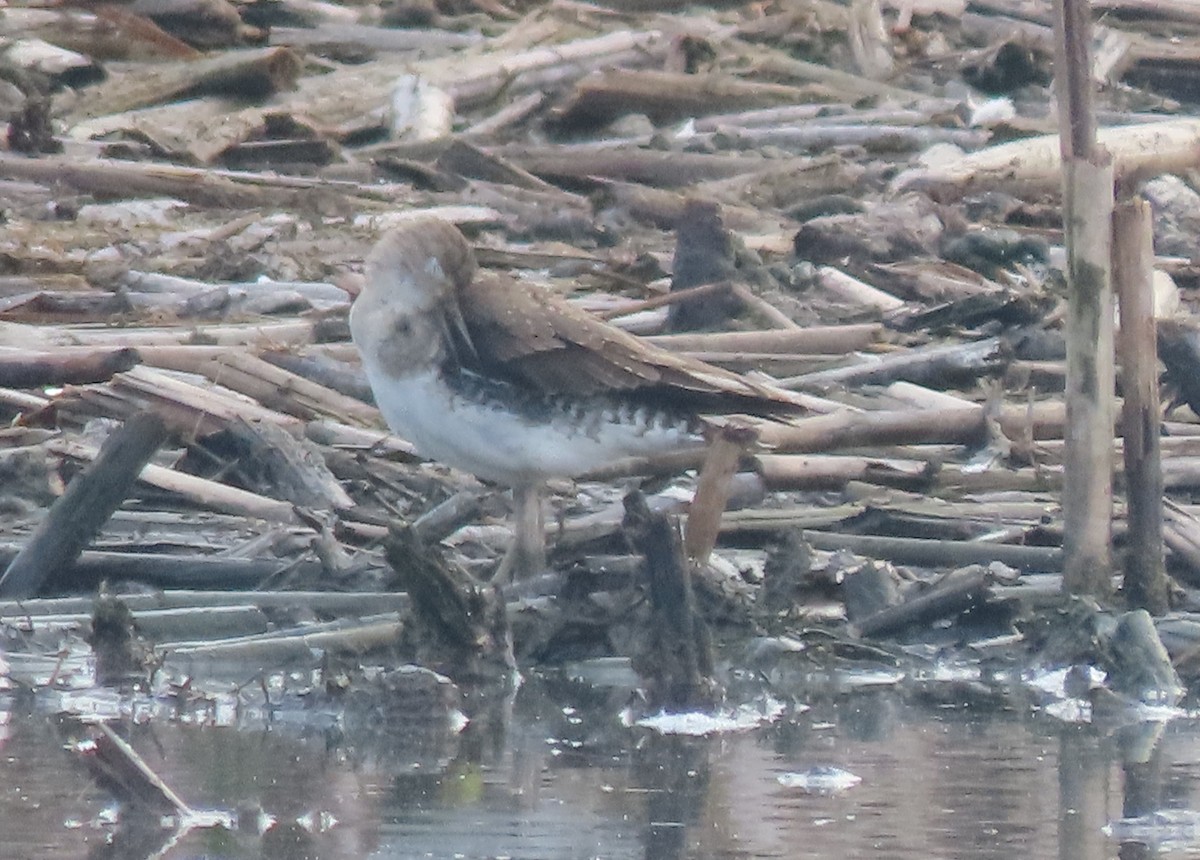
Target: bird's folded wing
[[536, 338]]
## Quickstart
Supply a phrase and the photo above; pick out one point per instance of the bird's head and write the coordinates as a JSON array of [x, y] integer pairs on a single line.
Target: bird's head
[[408, 305], [418, 265]]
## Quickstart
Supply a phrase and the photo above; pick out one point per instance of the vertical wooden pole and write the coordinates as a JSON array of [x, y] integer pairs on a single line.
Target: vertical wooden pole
[[1133, 274], [1087, 482], [1073, 78], [1087, 222]]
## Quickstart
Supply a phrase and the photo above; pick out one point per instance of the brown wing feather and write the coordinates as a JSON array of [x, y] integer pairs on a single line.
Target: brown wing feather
[[536, 338]]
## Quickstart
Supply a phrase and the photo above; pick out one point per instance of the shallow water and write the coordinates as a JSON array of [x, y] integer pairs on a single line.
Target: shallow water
[[544, 779]]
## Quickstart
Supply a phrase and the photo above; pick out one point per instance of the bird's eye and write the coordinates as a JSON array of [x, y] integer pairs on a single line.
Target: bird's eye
[[403, 327]]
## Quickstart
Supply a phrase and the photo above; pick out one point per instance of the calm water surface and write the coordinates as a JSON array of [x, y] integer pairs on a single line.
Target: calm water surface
[[555, 775]]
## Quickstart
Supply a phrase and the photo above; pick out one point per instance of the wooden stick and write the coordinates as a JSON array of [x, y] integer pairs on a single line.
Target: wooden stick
[[853, 290], [763, 308], [329, 602], [845, 429], [937, 364], [834, 471], [166, 571], [22, 369], [935, 553], [831, 340], [712, 490], [119, 768]]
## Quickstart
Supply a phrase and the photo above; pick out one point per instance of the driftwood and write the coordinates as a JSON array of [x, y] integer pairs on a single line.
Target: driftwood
[[713, 490], [464, 628], [939, 366], [676, 659], [92, 567], [287, 647], [90, 499], [955, 593], [119, 769], [264, 70], [934, 553], [213, 495], [362, 603], [1149, 149], [25, 370], [1145, 581], [665, 96]]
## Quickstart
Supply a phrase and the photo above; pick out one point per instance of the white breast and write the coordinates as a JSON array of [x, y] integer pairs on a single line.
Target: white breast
[[497, 444]]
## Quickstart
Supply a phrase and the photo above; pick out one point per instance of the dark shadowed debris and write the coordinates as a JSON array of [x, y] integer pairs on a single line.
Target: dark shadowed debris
[[459, 624], [675, 659], [1138, 665], [1179, 351], [957, 592], [704, 254], [30, 130], [119, 654]]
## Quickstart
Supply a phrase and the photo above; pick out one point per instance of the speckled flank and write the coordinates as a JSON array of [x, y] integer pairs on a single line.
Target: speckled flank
[[513, 436]]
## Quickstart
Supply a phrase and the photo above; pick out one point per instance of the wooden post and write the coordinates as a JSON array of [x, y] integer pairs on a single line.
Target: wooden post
[[1133, 274], [1087, 222], [1087, 482]]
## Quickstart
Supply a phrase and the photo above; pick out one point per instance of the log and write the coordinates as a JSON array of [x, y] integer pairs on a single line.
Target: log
[[933, 553], [20, 369], [92, 567], [830, 340], [960, 425]]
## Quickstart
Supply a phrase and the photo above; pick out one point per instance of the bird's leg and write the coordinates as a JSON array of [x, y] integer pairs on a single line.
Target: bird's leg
[[527, 555]]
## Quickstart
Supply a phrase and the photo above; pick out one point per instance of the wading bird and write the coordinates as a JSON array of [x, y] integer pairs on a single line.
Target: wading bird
[[498, 378]]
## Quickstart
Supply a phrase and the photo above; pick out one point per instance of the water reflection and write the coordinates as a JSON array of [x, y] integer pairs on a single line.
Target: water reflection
[[557, 775]]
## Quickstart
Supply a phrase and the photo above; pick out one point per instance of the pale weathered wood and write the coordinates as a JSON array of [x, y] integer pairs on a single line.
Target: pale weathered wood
[[1087, 188], [603, 96], [713, 489], [939, 552], [832, 340], [257, 70], [202, 492], [963, 424], [1035, 164]]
